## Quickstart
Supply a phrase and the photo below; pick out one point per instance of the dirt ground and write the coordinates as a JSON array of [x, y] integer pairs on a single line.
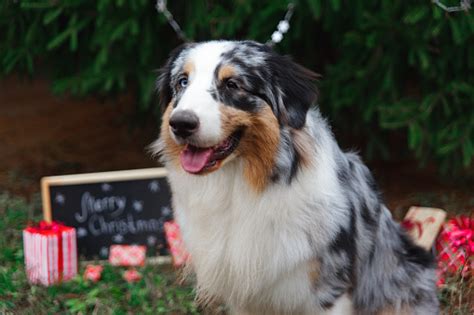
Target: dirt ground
[[42, 134]]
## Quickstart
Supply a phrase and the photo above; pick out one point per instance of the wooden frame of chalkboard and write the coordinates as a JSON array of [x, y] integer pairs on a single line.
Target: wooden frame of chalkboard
[[87, 178], [118, 207]]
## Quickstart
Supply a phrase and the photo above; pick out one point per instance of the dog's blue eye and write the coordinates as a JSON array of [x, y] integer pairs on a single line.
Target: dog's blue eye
[[183, 82]]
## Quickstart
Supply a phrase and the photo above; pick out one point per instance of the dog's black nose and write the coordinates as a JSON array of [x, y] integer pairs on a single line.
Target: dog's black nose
[[184, 123]]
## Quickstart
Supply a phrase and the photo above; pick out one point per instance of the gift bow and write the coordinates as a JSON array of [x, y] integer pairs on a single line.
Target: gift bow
[[132, 275], [93, 272], [44, 227], [455, 246]]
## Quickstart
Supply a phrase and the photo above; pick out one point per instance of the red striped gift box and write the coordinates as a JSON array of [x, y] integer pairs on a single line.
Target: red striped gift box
[[50, 253]]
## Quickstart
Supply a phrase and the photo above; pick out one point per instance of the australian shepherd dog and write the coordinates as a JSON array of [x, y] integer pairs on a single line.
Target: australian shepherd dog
[[276, 217]]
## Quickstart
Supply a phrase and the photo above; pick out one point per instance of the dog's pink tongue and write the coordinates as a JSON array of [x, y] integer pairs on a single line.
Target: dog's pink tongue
[[194, 159]]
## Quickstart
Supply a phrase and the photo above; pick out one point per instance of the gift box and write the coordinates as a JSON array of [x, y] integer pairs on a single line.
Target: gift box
[[50, 253], [175, 242], [423, 225], [455, 247], [127, 255]]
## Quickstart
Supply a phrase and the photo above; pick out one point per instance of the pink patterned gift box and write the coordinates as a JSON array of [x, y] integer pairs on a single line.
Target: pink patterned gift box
[[175, 242], [50, 253], [127, 255]]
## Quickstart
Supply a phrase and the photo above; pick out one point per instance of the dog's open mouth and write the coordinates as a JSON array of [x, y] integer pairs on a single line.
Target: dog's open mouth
[[196, 160]]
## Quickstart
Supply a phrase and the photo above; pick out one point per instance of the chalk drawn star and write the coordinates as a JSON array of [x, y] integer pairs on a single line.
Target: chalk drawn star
[[118, 238], [137, 205], [154, 186], [165, 211], [161, 224], [151, 240], [81, 232], [60, 199], [104, 252], [106, 187]]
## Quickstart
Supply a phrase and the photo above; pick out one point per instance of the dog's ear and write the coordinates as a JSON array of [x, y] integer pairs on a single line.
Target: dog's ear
[[296, 90], [163, 83]]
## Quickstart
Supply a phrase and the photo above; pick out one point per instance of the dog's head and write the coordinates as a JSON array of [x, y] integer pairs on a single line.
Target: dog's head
[[226, 99]]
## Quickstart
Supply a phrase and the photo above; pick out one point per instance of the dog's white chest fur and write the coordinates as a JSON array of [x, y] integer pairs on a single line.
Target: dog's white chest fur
[[249, 248]]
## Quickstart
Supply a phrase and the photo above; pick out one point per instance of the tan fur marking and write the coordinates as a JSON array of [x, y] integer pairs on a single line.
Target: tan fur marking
[[225, 72], [303, 145], [258, 145], [232, 119], [188, 67], [259, 148], [172, 149], [314, 269]]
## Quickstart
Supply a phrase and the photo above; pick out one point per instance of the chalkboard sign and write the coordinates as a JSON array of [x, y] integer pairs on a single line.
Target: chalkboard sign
[[122, 207]]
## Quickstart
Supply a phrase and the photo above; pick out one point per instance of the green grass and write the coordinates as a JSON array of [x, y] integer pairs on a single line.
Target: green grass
[[158, 292], [457, 296]]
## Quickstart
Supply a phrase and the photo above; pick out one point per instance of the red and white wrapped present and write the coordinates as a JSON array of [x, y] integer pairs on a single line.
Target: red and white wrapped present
[[455, 247], [50, 253], [175, 242], [127, 255]]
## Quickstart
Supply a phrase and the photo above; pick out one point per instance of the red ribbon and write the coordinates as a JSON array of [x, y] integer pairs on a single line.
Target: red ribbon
[[52, 228], [410, 224]]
